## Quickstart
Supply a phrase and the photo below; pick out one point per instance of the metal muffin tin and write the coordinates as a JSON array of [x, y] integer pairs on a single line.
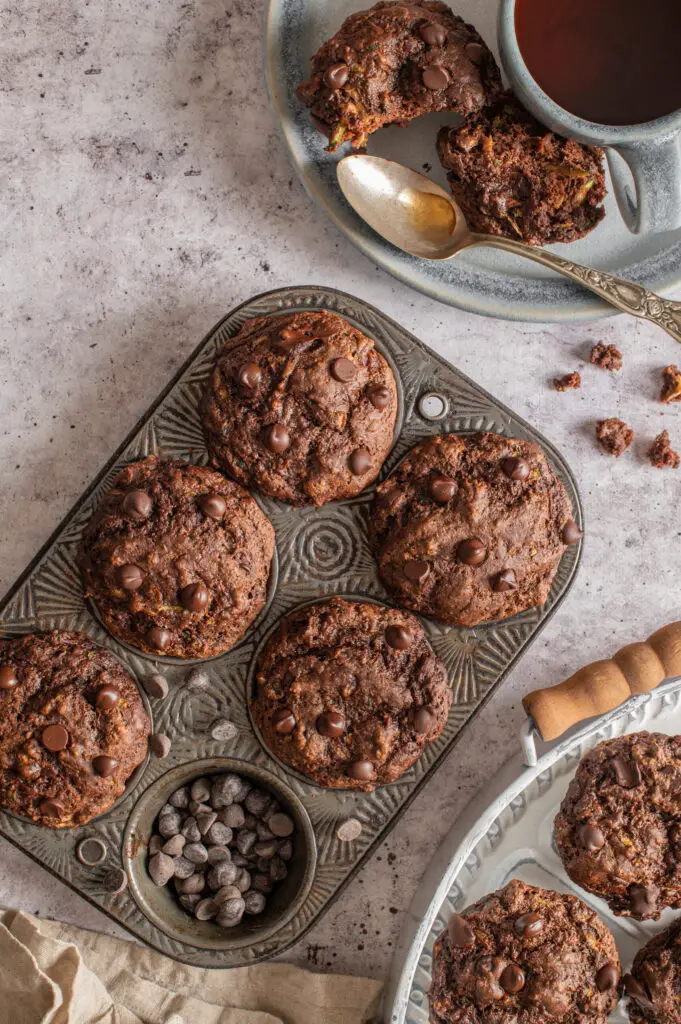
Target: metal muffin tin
[[320, 552]]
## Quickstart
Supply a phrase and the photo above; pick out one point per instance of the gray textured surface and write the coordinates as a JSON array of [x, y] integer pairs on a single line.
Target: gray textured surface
[[108, 280]]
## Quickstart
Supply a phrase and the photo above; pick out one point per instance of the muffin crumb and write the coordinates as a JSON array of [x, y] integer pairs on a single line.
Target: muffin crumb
[[671, 384], [661, 453], [614, 436], [608, 357], [570, 382]]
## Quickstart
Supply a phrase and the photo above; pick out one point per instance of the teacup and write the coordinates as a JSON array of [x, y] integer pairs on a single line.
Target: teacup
[[652, 150]]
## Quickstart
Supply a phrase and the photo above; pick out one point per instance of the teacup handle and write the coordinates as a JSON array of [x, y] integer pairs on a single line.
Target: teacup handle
[[656, 168]]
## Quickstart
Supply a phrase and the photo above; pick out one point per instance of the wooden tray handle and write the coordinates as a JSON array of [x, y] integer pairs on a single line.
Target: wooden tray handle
[[604, 685]]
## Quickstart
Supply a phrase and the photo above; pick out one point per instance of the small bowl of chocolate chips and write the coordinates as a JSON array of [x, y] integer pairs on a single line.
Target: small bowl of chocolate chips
[[220, 853]]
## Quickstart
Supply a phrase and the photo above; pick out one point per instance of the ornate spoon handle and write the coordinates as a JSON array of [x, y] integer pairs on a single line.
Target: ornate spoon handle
[[624, 295]]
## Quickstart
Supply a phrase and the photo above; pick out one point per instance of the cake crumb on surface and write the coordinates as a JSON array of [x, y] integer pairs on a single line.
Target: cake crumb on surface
[[671, 384], [608, 357], [614, 436], [571, 381], [661, 453]]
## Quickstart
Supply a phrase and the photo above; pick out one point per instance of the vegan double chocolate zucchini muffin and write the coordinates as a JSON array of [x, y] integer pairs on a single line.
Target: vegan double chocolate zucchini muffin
[[301, 407], [512, 176], [395, 62], [654, 985], [469, 529], [525, 955], [349, 693], [618, 831], [177, 559], [72, 728]]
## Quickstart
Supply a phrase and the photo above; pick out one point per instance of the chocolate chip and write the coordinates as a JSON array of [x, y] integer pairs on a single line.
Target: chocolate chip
[[137, 505], [161, 869], [591, 838], [54, 738], [8, 678], [442, 488], [379, 397], [51, 808], [635, 990], [281, 825], [436, 78], [195, 597], [505, 580], [627, 772], [254, 902], [416, 570], [213, 505], [571, 532], [130, 577], [607, 977], [529, 924], [361, 771], [459, 931], [642, 900], [156, 686], [471, 551], [104, 765], [277, 438], [284, 721], [160, 744], [421, 719], [336, 76], [330, 724], [433, 34], [249, 375], [159, 638], [515, 468], [107, 698], [360, 461], [512, 979], [343, 369], [475, 52], [398, 637]]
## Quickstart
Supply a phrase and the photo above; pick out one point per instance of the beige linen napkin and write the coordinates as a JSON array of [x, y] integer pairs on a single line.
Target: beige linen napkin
[[53, 973]]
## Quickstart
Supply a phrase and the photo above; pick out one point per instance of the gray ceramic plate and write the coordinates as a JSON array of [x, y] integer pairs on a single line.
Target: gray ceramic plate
[[319, 552], [480, 281]]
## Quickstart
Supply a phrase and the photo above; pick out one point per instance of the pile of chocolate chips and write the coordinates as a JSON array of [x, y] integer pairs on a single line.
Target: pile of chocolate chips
[[224, 844]]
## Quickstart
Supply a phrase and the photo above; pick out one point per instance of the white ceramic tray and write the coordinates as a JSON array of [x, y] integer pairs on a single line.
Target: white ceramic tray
[[512, 838]]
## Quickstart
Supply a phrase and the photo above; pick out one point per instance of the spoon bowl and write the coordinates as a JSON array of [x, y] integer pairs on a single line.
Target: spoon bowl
[[416, 215]]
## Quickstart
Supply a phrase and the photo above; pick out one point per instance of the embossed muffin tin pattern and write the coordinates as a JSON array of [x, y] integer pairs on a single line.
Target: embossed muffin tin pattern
[[319, 552]]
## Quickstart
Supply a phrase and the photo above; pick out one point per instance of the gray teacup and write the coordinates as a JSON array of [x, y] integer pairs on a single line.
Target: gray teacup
[[652, 150]]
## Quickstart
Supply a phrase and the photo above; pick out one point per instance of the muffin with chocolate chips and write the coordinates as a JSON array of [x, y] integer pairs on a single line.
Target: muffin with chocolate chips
[[471, 529], [301, 407], [395, 62], [72, 728], [512, 176], [654, 985], [528, 955], [177, 559], [618, 831], [349, 693]]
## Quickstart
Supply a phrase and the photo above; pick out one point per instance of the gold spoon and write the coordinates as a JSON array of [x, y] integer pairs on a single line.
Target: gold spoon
[[418, 216]]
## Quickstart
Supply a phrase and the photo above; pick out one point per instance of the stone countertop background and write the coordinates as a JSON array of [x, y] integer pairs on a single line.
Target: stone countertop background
[[145, 194]]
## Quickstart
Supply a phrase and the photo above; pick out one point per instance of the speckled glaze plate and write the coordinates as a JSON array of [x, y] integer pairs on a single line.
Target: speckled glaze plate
[[319, 552], [480, 281], [513, 838]]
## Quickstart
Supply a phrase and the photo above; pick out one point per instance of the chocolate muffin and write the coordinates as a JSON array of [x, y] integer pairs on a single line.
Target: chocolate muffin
[[301, 407], [525, 955], [395, 62], [176, 559], [471, 528], [618, 831], [654, 985], [512, 176], [349, 693], [72, 728]]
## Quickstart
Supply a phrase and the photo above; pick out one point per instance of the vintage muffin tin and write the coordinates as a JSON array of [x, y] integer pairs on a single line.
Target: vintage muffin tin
[[320, 552]]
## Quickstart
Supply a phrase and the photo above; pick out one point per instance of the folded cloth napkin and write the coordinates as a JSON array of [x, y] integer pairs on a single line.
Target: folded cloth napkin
[[53, 973]]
